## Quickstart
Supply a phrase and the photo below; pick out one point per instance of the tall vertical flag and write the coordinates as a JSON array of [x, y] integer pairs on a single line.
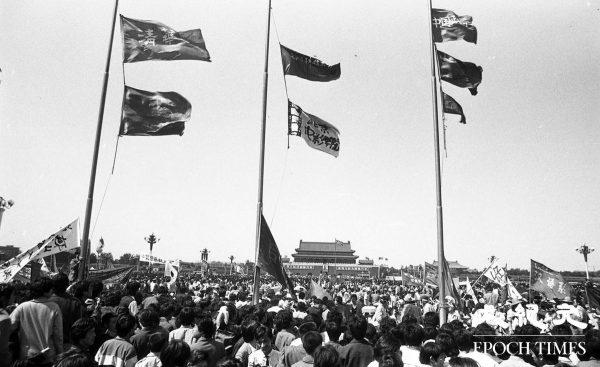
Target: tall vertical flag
[[269, 258], [460, 73], [153, 113], [171, 272], [452, 107], [64, 240], [317, 133], [149, 40], [318, 291], [548, 282], [447, 26], [306, 67], [470, 291], [430, 275], [449, 283]]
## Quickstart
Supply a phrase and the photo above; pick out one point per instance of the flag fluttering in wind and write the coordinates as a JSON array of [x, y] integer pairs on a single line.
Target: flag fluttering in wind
[[149, 40], [172, 273], [496, 273], [548, 282], [318, 291], [447, 26], [469, 290], [317, 133], [430, 274], [460, 73], [449, 283], [269, 258], [64, 240], [306, 67], [452, 107], [153, 113], [100, 246], [513, 293]]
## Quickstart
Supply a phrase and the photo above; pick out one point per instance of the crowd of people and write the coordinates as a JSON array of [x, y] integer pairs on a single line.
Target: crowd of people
[[209, 321]]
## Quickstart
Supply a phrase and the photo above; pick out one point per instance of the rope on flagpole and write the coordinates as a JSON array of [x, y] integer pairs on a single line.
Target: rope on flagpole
[[284, 79], [100, 207]]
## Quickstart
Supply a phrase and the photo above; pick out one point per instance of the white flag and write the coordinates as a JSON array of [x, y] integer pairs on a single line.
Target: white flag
[[63, 240], [470, 290], [513, 293], [496, 273]]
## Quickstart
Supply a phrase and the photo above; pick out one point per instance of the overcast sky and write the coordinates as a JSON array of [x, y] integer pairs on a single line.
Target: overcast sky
[[521, 180]]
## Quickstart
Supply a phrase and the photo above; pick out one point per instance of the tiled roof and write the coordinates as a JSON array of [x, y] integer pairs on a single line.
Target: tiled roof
[[325, 246]]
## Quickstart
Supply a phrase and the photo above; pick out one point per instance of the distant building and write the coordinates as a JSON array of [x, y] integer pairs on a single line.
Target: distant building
[[8, 252], [329, 258], [366, 261], [454, 266], [337, 252]]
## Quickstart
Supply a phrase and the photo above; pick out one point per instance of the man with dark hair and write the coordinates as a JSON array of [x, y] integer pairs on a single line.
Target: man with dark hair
[[149, 320], [310, 341], [7, 292], [357, 353], [283, 322], [70, 307], [118, 352], [206, 343], [355, 306], [156, 343], [265, 355], [413, 337], [334, 330], [128, 300], [40, 324]]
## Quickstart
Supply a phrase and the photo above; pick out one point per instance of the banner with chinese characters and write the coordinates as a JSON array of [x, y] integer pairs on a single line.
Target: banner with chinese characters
[[548, 282], [63, 240], [496, 273], [151, 259]]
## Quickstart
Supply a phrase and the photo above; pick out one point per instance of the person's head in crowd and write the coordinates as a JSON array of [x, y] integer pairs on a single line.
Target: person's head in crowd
[[483, 332], [229, 362], [413, 335], [307, 326], [186, 317], [42, 288], [386, 324], [176, 354], [131, 288], [108, 320], [338, 300], [7, 294], [148, 318], [326, 356], [264, 338], [431, 354], [431, 318], [125, 326], [199, 358], [74, 360], [60, 282], [462, 362], [157, 342], [429, 333], [335, 316], [387, 344], [333, 330], [353, 299], [447, 343], [83, 333], [371, 335], [249, 330], [206, 327], [358, 327], [463, 339], [283, 319], [310, 341]]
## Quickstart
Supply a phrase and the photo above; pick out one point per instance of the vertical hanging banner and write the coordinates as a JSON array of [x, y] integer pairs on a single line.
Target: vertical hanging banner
[[63, 240], [153, 113], [306, 67], [269, 258], [447, 26], [430, 274], [149, 40], [317, 133]]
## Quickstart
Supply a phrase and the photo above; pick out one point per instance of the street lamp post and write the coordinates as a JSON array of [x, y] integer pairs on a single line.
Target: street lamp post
[[152, 240], [231, 265], [4, 204], [585, 250]]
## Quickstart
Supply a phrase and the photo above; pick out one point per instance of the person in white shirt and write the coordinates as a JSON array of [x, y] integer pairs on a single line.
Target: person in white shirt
[[265, 355]]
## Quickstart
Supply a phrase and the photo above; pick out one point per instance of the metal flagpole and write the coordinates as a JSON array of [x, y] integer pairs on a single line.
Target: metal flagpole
[[261, 163], [85, 245], [438, 179]]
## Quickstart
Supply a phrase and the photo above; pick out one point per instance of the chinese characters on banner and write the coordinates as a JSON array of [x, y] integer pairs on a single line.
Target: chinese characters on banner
[[548, 282], [497, 273]]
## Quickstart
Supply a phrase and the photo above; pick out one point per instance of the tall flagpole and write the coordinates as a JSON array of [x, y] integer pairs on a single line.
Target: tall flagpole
[[85, 245], [438, 180], [261, 163]]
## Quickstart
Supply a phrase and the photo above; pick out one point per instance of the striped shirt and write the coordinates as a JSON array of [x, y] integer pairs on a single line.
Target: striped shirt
[[116, 352]]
